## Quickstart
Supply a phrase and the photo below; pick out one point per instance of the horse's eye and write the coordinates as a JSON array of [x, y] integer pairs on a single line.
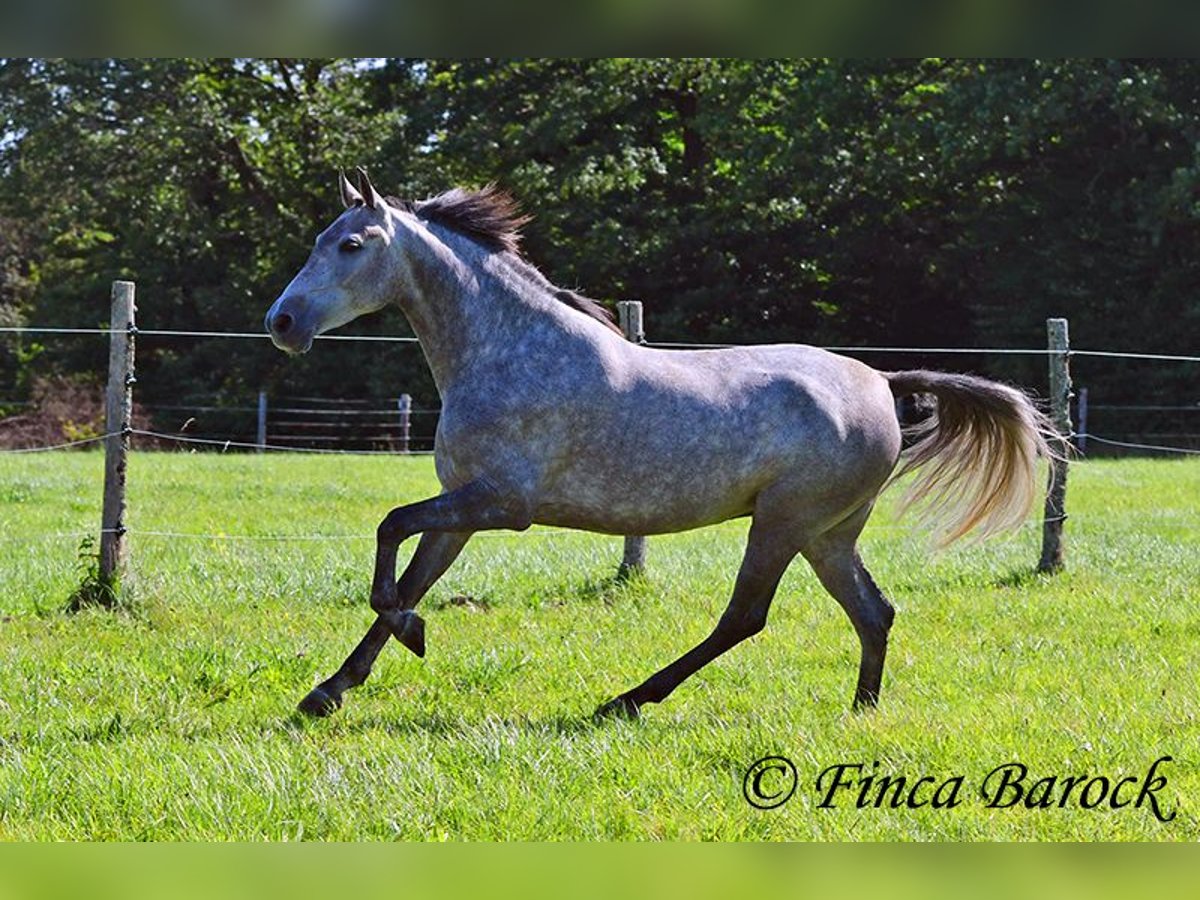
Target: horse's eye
[[350, 245]]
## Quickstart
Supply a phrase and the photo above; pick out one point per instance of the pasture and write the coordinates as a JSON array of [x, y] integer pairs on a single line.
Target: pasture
[[172, 718]]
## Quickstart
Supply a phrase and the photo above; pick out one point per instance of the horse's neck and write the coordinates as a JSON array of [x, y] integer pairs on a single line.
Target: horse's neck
[[469, 308]]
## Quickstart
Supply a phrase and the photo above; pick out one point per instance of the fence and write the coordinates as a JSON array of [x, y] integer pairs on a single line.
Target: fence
[[303, 422], [322, 425]]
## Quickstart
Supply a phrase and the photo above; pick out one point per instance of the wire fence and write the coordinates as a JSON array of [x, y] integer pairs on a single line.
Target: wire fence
[[315, 415], [168, 332], [1131, 445], [323, 421], [680, 345], [246, 445]]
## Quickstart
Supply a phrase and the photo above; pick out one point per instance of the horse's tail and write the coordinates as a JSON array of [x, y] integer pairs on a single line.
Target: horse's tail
[[975, 459]]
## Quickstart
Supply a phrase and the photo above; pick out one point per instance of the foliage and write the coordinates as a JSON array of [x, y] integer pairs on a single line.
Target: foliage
[[94, 589], [908, 202], [60, 409]]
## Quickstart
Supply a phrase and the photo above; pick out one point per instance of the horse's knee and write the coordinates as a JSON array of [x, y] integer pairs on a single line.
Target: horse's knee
[[393, 528]]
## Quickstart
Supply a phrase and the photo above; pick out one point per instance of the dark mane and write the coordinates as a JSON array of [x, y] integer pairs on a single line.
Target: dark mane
[[588, 307], [489, 215], [493, 218]]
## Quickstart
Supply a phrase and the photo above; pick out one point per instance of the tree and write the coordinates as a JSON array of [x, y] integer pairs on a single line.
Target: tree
[[917, 202]]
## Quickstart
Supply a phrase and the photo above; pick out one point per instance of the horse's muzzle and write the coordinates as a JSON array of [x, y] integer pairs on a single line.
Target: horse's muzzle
[[287, 328]]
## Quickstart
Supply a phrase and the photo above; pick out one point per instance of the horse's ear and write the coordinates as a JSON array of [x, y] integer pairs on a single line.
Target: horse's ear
[[350, 197], [370, 196]]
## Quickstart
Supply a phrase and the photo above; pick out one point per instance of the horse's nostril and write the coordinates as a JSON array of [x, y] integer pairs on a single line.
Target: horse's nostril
[[282, 323]]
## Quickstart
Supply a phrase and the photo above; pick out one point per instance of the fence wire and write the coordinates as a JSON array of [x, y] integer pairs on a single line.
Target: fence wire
[[279, 448], [682, 345], [247, 445], [226, 444], [171, 332], [1134, 446], [66, 445]]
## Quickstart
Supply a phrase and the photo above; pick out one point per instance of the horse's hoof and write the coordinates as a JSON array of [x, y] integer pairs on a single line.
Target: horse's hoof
[[319, 702], [410, 631], [865, 701], [618, 708]]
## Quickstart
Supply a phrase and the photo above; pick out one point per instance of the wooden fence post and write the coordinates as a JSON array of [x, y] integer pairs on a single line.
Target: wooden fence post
[[629, 316], [404, 404], [633, 560], [261, 435], [118, 420], [1060, 415]]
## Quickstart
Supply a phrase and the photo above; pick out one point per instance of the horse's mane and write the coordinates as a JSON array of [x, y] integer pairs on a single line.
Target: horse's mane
[[489, 215], [588, 307], [493, 218]]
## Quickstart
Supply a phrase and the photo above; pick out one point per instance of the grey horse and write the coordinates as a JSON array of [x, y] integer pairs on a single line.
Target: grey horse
[[549, 416]]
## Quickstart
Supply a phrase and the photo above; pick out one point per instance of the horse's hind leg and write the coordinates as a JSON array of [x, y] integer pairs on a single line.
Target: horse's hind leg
[[433, 556], [836, 561], [768, 553]]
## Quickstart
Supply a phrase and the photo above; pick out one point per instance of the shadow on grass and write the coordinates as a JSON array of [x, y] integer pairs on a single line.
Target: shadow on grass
[[463, 601], [1025, 577], [1016, 578], [449, 725], [611, 588]]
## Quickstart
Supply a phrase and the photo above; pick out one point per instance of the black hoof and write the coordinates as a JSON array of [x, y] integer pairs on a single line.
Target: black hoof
[[409, 629], [618, 708], [319, 702]]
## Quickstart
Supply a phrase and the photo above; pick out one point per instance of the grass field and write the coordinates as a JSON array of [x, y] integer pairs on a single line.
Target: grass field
[[172, 718]]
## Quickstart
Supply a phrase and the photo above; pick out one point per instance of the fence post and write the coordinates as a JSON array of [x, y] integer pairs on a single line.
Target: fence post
[[261, 438], [404, 404], [629, 315], [118, 420], [1081, 413], [1060, 415]]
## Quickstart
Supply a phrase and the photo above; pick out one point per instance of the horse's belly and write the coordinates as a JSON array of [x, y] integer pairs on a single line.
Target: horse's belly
[[627, 503], [613, 522]]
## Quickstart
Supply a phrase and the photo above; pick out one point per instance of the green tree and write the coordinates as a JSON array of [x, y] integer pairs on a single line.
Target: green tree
[[903, 202]]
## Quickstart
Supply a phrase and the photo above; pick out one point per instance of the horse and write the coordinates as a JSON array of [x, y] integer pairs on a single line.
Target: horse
[[550, 416]]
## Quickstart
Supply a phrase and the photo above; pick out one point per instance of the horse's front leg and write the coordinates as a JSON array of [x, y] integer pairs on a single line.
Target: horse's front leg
[[432, 558], [452, 517], [477, 506]]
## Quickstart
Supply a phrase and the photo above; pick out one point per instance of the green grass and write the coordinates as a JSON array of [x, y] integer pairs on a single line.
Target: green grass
[[172, 717]]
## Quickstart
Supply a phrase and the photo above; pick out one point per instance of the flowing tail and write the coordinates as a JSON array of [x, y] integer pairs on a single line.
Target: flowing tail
[[975, 459]]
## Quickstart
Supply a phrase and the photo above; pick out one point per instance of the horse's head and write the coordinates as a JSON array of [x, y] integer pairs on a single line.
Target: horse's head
[[346, 275]]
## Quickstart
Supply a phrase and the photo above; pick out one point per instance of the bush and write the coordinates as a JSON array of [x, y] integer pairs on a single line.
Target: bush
[[61, 409]]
